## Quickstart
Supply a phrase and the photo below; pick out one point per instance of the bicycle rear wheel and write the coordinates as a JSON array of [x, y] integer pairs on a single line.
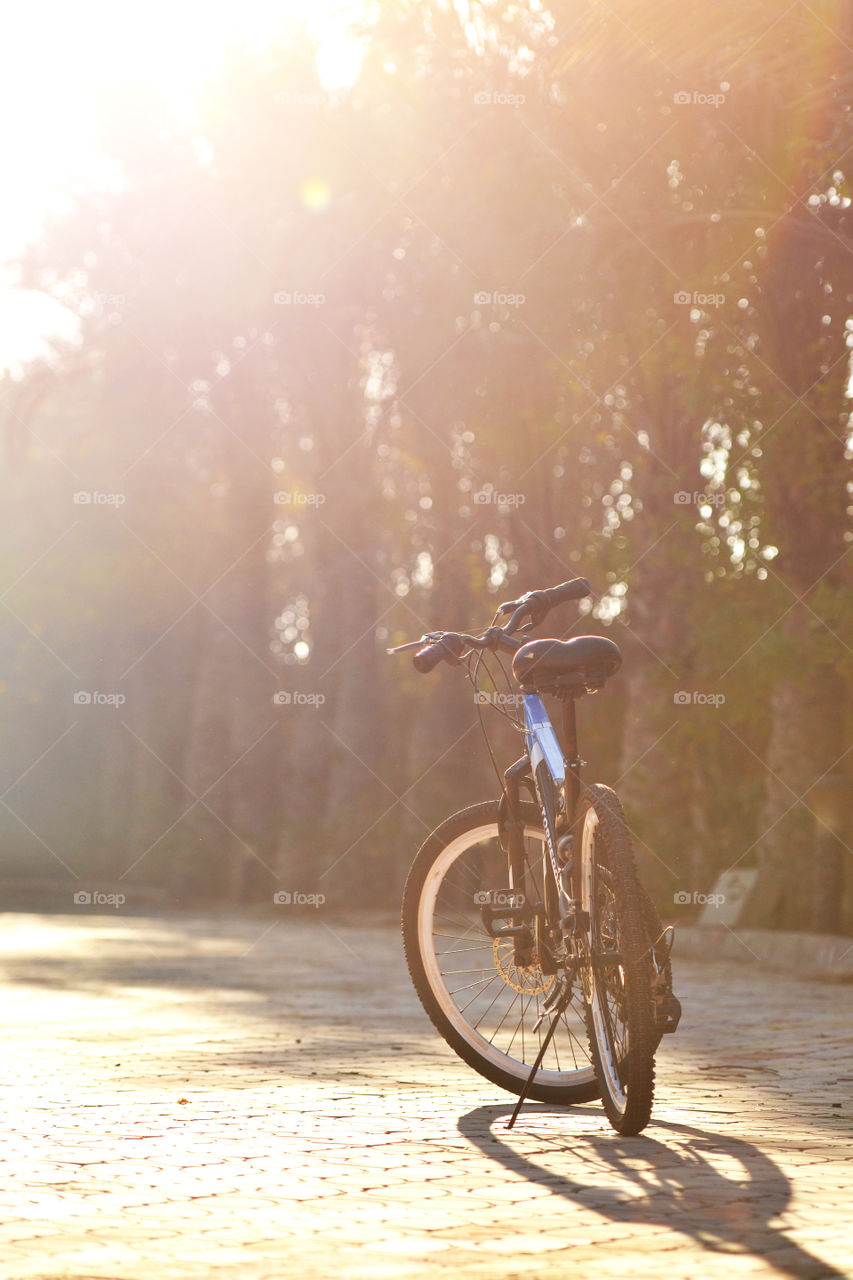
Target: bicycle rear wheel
[[620, 1017], [483, 1003]]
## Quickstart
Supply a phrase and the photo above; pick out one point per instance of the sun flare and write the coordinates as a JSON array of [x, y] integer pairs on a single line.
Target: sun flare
[[54, 91]]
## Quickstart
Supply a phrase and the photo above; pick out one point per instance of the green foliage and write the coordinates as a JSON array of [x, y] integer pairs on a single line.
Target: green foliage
[[361, 365]]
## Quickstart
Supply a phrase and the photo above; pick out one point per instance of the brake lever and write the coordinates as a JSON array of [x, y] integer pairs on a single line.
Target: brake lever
[[512, 605], [532, 612]]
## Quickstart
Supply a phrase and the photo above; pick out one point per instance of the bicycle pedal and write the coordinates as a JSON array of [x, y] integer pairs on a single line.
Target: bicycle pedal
[[667, 1014], [505, 905]]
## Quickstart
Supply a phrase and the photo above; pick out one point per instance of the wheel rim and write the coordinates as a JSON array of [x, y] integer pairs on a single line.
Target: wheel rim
[[608, 982], [475, 981]]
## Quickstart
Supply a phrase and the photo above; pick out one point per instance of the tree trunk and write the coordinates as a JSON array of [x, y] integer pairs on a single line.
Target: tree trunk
[[806, 741]]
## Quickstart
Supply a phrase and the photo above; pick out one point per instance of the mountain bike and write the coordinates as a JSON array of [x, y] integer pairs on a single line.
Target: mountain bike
[[528, 909]]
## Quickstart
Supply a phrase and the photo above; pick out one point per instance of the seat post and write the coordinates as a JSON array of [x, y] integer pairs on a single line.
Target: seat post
[[572, 759]]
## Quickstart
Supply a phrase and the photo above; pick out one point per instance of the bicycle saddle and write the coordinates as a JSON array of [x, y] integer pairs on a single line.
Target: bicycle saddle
[[584, 662]]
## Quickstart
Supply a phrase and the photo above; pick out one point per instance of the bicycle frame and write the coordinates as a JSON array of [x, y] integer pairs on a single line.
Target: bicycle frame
[[543, 749], [586, 940], [563, 762]]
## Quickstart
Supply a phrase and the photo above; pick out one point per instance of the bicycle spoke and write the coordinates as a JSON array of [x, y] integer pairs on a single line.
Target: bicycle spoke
[[495, 977], [515, 955], [479, 1021], [503, 1020], [492, 990]]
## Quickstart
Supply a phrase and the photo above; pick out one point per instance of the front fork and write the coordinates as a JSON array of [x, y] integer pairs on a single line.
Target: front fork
[[529, 919]]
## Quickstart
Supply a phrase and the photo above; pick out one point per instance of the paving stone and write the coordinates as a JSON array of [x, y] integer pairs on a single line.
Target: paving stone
[[308, 1146]]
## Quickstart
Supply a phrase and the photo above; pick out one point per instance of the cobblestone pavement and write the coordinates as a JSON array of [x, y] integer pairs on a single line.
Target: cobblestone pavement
[[204, 1097]]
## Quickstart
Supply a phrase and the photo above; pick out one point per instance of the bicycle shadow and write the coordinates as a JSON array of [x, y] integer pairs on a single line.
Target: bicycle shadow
[[681, 1185]]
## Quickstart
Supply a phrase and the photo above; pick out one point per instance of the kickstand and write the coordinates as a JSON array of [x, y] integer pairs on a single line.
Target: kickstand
[[562, 999]]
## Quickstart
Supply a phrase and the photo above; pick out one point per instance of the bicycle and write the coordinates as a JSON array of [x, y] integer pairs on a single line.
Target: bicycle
[[517, 911]]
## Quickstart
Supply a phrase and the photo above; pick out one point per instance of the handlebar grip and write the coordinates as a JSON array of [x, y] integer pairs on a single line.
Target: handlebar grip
[[429, 657], [575, 589], [444, 650]]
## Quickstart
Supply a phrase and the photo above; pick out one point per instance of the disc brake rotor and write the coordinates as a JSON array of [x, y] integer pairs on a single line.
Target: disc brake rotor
[[529, 980]]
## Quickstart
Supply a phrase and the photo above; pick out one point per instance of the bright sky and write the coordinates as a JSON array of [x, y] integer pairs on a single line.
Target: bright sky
[[57, 58]]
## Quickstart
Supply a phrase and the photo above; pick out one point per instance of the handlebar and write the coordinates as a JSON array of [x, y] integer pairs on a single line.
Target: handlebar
[[574, 589], [447, 649], [536, 604], [527, 611]]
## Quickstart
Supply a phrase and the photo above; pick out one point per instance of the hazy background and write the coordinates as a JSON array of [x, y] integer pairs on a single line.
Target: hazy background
[[318, 337]]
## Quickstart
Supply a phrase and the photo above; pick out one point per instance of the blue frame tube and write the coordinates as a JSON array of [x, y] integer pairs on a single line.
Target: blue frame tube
[[542, 743]]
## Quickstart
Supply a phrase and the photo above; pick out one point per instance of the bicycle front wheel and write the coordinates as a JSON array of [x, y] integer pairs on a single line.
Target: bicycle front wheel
[[620, 1018], [483, 1003]]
